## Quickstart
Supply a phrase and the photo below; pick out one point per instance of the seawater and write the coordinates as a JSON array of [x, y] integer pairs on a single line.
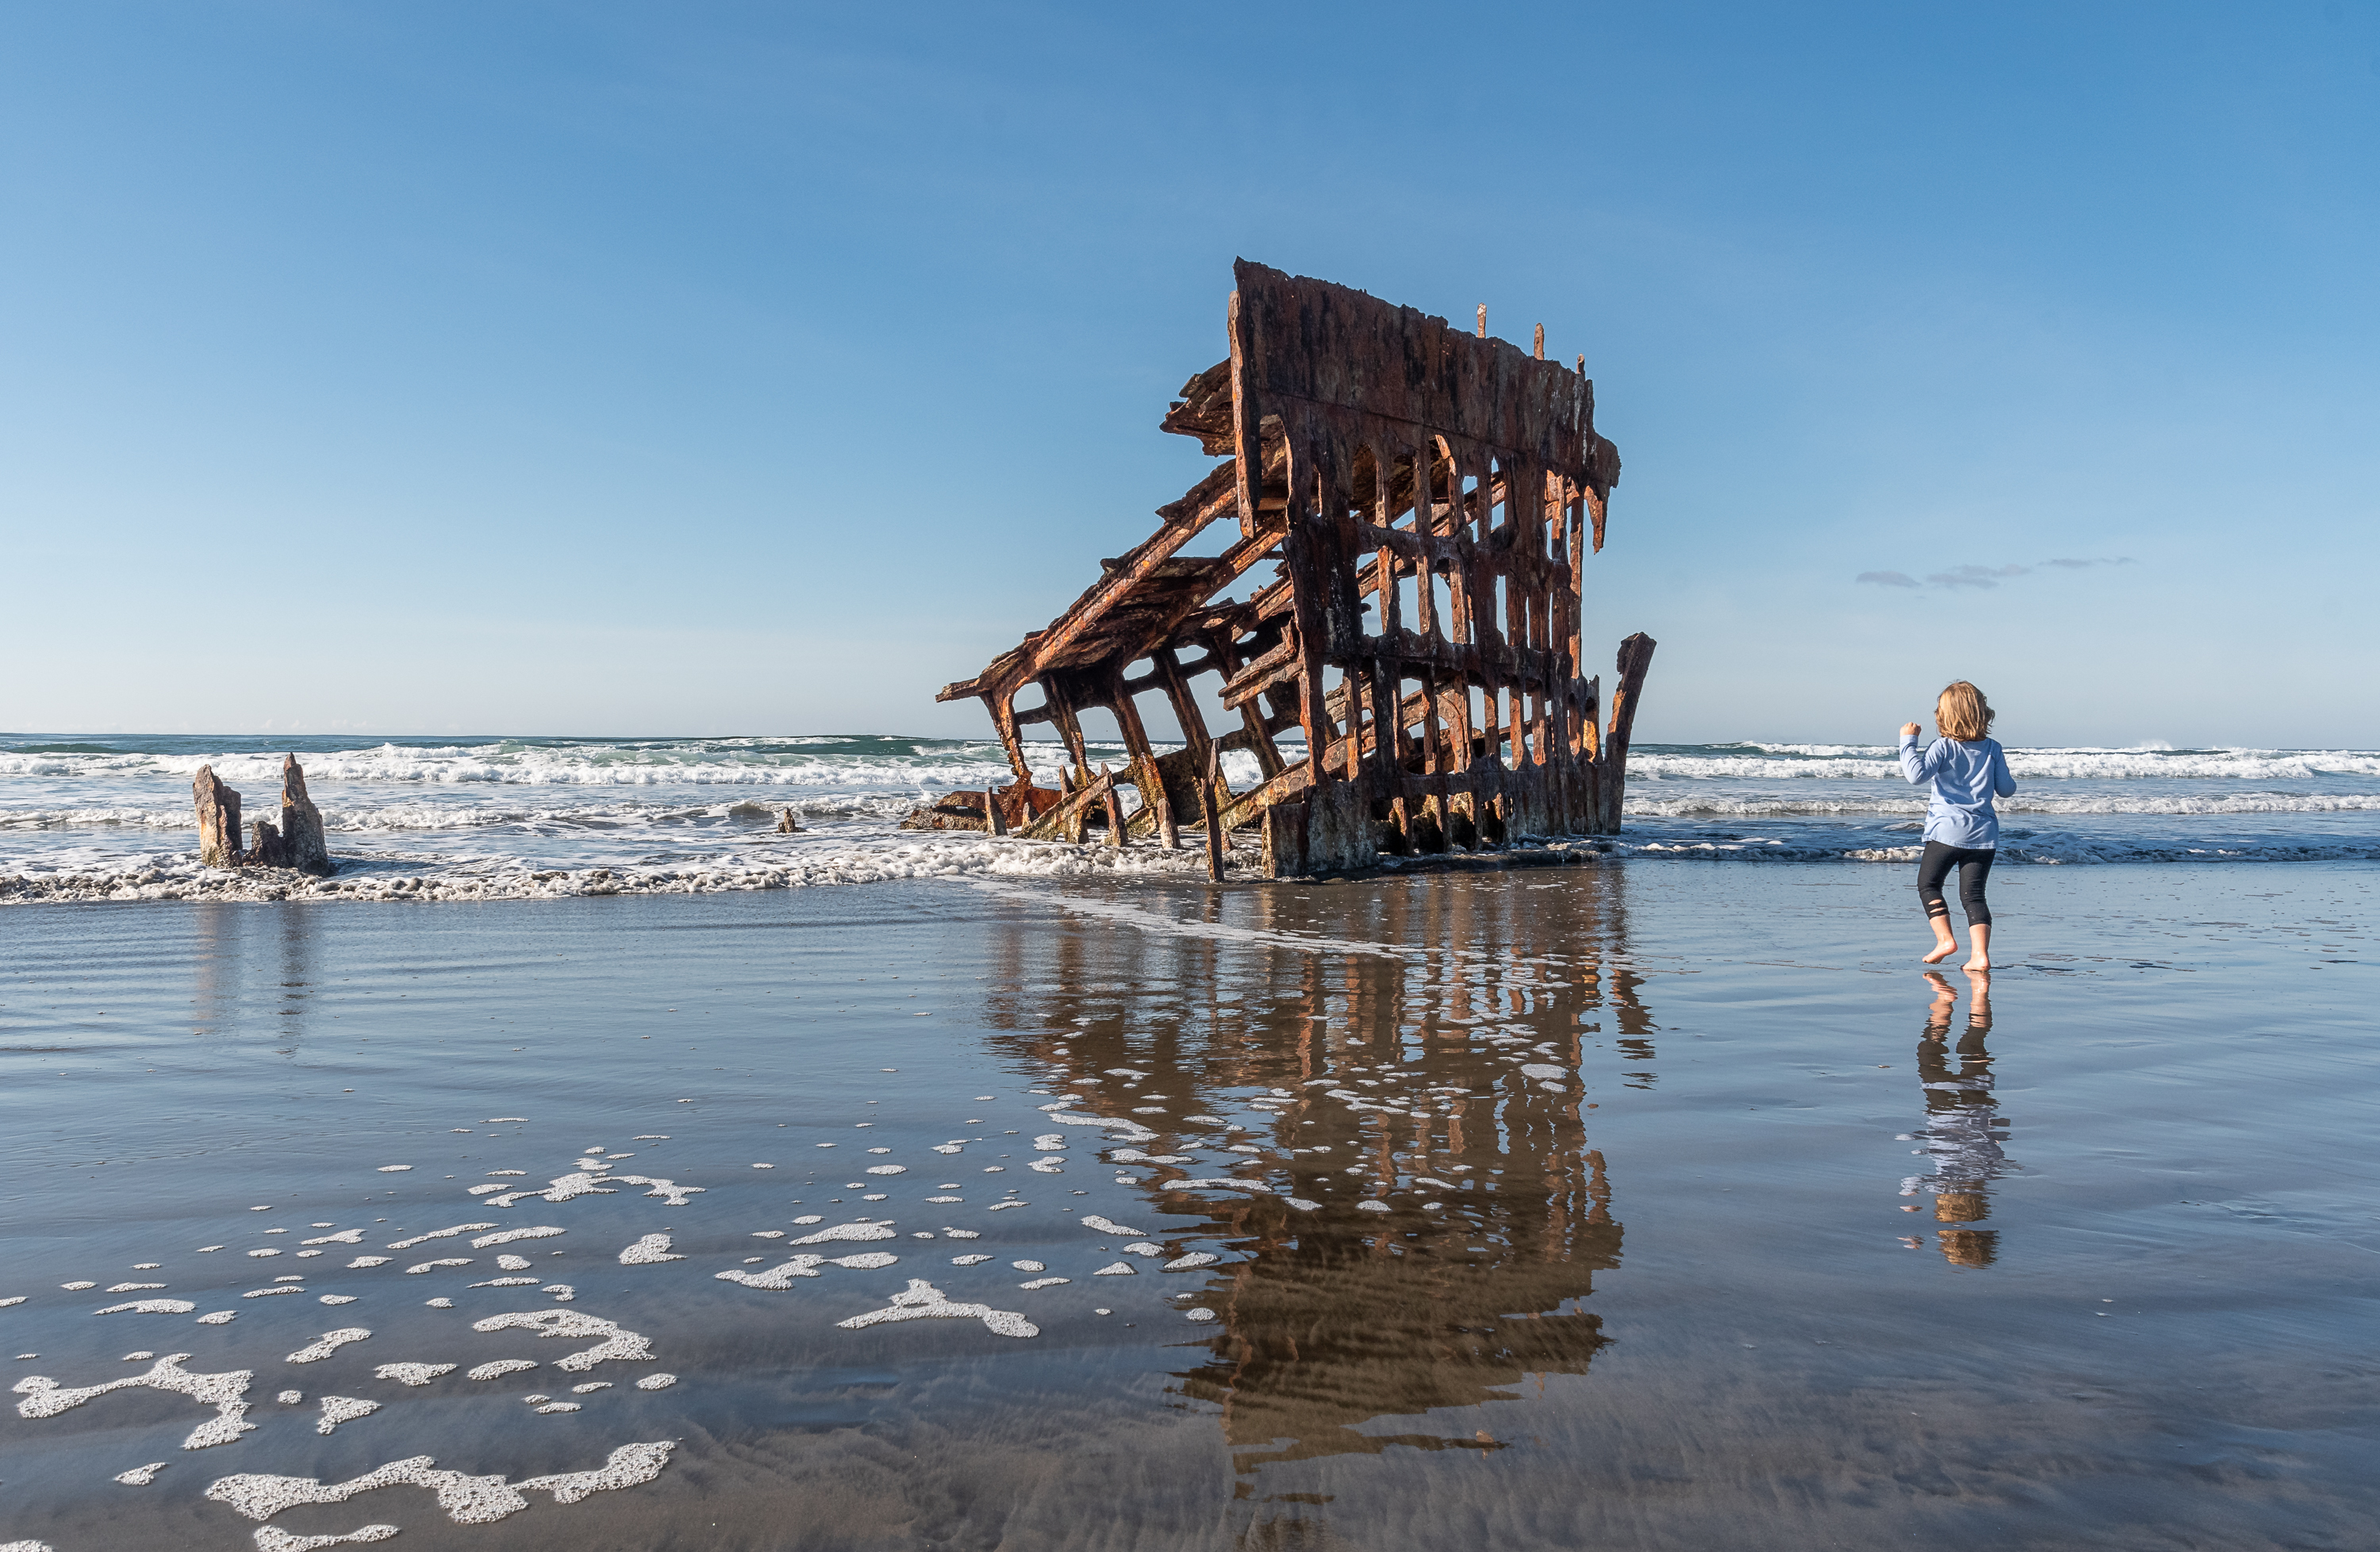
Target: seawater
[[1599, 1206], [110, 817]]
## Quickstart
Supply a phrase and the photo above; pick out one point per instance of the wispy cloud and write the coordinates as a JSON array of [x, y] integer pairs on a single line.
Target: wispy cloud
[[1975, 575], [1985, 576]]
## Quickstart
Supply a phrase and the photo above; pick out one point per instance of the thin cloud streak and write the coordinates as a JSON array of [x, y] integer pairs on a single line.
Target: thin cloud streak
[[1985, 576]]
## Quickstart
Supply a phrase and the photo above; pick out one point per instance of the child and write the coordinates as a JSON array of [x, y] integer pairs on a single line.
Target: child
[[1967, 769]]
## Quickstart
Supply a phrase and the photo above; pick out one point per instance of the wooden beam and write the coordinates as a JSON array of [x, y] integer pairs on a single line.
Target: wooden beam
[[1061, 822]]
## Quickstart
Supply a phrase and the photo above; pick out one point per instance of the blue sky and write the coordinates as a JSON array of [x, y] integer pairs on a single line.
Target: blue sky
[[742, 368]]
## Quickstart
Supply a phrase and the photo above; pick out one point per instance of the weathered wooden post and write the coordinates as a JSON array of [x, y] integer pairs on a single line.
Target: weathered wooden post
[[303, 844], [994, 821], [219, 833], [1211, 813], [1114, 807], [1169, 834]]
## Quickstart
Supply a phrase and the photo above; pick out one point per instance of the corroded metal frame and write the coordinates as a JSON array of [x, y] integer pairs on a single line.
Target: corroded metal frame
[[1448, 486]]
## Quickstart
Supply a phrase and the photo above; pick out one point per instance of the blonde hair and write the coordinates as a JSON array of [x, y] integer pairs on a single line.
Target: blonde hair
[[1962, 713]]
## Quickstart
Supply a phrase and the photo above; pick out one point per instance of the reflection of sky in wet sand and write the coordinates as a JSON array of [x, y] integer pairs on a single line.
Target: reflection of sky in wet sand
[[1387, 1132], [1499, 1211]]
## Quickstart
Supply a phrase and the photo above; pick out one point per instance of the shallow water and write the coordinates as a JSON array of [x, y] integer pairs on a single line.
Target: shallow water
[[1665, 1290]]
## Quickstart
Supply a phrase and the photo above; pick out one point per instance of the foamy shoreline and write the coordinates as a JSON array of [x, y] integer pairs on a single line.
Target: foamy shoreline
[[478, 820]]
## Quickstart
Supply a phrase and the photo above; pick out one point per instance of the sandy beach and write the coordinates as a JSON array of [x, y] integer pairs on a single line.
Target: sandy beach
[[1614, 1203]]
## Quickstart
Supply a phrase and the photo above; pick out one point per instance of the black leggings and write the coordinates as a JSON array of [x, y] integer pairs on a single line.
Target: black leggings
[[1974, 866]]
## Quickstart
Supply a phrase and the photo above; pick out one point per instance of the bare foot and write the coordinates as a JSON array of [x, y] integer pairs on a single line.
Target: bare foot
[[1977, 965], [1942, 950]]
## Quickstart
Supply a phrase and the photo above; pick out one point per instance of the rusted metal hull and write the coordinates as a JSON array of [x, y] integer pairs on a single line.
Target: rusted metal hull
[[1428, 499]]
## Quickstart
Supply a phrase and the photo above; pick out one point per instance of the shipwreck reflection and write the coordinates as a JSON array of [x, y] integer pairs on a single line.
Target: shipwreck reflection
[[1373, 1094]]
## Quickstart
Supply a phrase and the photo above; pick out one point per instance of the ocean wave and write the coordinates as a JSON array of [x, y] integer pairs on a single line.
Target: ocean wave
[[1641, 804], [1826, 762], [2064, 852], [177, 877]]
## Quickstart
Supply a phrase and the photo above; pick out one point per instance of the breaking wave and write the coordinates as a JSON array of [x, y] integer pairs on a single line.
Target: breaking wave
[[438, 818]]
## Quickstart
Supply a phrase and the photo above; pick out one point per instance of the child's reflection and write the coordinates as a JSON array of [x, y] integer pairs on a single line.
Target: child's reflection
[[1963, 1128]]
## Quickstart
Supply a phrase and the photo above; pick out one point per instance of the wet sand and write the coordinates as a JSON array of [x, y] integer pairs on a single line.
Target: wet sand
[[1709, 1222]]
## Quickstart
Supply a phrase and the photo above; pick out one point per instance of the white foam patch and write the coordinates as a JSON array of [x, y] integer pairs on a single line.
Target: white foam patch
[[1253, 1188], [1043, 1282], [1201, 1315], [150, 1306], [76, 1287], [226, 1392], [657, 1382], [342, 1408], [439, 1304], [413, 1374], [337, 1299], [969, 1260], [291, 1398], [562, 1188], [1142, 1247], [467, 1501], [861, 1231], [132, 1287], [140, 1477], [394, 1169], [509, 1236], [650, 1251], [507, 1282], [361, 1262], [425, 1239], [923, 1301], [273, 1538], [433, 1266], [961, 1234], [617, 1344], [1115, 1268], [1371, 1205], [1130, 1131], [557, 1406], [328, 1343], [778, 1278], [500, 1368], [513, 1262], [590, 1388], [217, 1317], [17, 1299], [1109, 1226], [1543, 1070]]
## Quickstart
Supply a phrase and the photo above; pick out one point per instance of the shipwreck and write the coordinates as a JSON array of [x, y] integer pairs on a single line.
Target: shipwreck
[[1426, 499]]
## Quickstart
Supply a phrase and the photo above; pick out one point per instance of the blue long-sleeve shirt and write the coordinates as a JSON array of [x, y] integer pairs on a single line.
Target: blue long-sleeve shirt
[[1966, 775]]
